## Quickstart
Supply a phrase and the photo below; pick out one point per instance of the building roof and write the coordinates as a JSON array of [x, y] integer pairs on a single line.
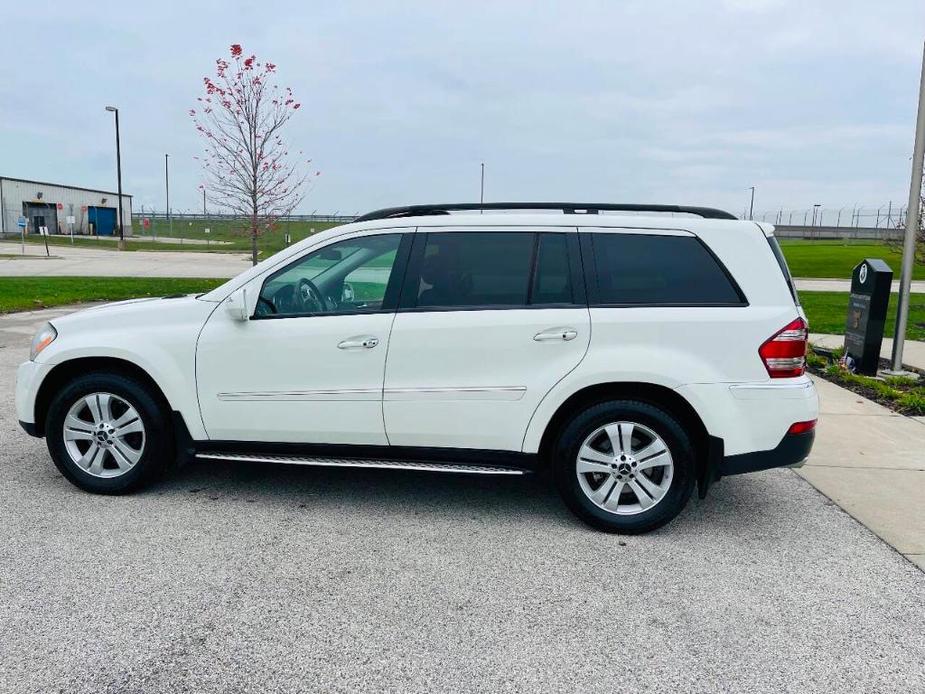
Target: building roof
[[62, 185]]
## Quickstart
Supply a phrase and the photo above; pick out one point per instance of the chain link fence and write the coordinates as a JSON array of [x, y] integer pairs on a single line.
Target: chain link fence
[[888, 216]]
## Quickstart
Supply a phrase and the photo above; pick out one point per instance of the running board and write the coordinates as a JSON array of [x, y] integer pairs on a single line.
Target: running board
[[363, 463]]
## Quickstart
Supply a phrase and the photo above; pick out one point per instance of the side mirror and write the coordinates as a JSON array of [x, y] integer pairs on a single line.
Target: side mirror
[[236, 305]]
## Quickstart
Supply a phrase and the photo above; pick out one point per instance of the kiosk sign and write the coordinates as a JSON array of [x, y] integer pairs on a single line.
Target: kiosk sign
[[867, 306]]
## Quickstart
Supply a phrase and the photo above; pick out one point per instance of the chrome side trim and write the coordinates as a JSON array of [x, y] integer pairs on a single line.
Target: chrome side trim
[[310, 395], [360, 463], [508, 393]]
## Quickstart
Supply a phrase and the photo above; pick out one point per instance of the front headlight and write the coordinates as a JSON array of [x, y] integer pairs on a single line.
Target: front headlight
[[44, 337]]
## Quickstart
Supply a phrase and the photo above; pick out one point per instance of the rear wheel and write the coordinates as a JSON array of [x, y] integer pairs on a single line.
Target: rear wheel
[[108, 434], [624, 466]]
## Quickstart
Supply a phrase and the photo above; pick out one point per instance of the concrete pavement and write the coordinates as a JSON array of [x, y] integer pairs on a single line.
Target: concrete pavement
[[233, 577], [871, 462], [93, 262], [844, 285]]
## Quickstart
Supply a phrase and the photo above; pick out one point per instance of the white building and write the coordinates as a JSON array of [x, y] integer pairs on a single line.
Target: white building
[[61, 208]]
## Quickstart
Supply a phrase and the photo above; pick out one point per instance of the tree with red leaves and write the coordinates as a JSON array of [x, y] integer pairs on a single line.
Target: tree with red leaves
[[247, 167]]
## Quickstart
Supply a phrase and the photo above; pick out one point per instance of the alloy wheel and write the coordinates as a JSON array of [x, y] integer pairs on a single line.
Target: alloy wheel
[[624, 468], [104, 435]]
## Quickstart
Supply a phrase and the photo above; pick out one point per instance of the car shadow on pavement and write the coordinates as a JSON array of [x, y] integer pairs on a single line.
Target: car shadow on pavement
[[740, 505]]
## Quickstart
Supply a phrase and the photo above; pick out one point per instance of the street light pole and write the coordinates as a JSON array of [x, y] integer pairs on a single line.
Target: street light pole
[[751, 205], [482, 189], [114, 110], [167, 187], [912, 228]]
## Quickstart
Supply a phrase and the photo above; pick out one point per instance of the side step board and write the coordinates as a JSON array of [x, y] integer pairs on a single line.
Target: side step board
[[363, 463]]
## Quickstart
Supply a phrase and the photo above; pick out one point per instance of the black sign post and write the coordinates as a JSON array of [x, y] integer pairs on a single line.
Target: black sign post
[[867, 305]]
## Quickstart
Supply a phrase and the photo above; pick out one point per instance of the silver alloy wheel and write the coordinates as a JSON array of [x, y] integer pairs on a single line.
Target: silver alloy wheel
[[624, 468], [104, 435]]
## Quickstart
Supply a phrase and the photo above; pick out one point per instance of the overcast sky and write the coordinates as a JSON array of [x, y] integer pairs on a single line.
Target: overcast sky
[[622, 101]]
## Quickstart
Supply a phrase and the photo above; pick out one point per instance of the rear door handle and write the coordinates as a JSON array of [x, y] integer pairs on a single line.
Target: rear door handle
[[363, 342], [563, 334]]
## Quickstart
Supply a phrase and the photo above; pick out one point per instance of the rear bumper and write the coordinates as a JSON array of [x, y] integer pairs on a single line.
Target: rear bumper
[[747, 425], [755, 416], [793, 449]]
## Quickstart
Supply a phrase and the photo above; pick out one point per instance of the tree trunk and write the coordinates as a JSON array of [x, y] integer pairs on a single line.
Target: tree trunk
[[254, 238]]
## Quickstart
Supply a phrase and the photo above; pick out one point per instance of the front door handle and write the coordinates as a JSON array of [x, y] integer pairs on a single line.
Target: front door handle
[[563, 334], [363, 342]]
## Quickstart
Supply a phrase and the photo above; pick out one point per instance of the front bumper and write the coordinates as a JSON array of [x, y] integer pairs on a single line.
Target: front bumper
[[29, 378]]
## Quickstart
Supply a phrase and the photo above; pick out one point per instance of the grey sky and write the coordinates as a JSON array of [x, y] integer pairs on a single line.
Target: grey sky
[[625, 101]]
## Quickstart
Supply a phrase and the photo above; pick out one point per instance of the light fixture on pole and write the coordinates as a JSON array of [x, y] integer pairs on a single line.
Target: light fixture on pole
[[113, 109]]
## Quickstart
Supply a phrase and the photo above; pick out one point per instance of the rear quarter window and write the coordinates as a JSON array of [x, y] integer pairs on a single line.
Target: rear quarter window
[[782, 264], [659, 270]]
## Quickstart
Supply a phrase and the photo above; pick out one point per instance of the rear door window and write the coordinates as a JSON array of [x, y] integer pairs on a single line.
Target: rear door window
[[552, 281], [659, 270], [493, 269], [475, 269]]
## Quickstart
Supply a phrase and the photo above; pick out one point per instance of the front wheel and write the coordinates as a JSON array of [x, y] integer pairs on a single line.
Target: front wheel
[[108, 434], [624, 466]]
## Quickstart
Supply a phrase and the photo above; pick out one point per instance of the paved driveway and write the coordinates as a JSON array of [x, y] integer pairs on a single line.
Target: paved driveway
[[93, 262], [260, 578]]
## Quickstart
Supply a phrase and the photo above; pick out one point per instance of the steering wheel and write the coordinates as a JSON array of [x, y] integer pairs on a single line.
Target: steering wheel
[[311, 299]]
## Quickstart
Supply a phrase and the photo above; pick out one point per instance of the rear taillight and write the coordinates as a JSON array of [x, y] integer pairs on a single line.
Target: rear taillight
[[784, 354]]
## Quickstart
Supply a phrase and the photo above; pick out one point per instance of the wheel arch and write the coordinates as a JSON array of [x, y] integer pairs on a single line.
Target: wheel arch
[[660, 396], [70, 369]]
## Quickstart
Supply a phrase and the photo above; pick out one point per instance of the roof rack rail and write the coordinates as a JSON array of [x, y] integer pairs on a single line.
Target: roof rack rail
[[565, 207]]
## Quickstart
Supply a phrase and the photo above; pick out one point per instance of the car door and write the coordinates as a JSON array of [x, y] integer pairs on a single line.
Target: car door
[[308, 366], [489, 321]]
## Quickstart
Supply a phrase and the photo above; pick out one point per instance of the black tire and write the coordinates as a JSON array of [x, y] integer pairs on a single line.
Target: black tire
[[159, 448], [583, 425]]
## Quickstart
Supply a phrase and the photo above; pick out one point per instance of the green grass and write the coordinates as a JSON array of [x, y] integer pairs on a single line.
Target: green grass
[[231, 231], [29, 293], [906, 395], [109, 244], [838, 258], [827, 312]]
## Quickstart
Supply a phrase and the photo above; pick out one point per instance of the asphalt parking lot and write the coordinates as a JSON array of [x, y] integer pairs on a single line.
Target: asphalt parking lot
[[260, 578]]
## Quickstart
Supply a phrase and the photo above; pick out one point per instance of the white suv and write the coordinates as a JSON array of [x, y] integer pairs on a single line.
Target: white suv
[[631, 356]]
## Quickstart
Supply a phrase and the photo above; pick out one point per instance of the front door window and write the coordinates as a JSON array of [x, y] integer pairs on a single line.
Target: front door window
[[347, 277]]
